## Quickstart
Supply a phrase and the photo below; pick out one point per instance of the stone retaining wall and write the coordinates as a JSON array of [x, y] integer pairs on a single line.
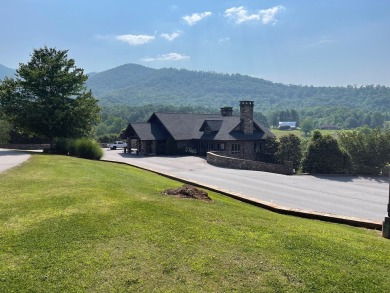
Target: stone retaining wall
[[216, 159], [25, 146]]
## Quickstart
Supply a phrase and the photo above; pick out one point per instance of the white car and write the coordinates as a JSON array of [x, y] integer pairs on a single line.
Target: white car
[[117, 144]]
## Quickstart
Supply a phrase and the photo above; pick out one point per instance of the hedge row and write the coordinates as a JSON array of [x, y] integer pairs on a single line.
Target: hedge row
[[82, 148]]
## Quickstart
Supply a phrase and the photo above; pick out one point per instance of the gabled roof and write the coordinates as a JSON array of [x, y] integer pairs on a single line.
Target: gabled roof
[[181, 126], [146, 131], [191, 126], [212, 125]]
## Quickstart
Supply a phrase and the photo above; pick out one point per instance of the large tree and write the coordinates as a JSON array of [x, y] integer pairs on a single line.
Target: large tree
[[289, 150], [323, 156], [48, 97], [307, 126]]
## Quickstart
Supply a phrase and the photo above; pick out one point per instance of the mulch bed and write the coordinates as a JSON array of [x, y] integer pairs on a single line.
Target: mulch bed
[[187, 191]]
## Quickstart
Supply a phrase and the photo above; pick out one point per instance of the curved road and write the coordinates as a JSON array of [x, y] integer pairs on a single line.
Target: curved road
[[11, 158], [358, 197]]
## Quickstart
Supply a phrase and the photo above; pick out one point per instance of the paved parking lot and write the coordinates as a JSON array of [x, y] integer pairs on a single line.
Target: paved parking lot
[[359, 197]]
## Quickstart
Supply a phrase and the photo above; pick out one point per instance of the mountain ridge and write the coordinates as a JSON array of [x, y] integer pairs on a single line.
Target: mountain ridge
[[134, 84], [6, 71]]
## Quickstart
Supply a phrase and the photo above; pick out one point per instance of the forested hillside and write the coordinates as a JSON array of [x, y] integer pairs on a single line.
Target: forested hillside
[[133, 84], [5, 71], [131, 92]]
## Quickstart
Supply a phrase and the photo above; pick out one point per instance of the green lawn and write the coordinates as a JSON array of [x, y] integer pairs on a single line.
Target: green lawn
[[73, 225]]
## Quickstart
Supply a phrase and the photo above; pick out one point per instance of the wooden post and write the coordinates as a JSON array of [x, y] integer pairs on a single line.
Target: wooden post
[[386, 222]]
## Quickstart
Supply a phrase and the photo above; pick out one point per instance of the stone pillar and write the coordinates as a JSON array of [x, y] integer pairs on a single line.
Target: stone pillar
[[246, 116]]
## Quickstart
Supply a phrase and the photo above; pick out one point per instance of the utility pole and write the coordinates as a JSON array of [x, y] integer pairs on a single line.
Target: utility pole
[[386, 222]]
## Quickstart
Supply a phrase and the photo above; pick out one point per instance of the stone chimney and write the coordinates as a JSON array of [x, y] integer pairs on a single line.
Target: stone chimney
[[227, 111], [246, 116]]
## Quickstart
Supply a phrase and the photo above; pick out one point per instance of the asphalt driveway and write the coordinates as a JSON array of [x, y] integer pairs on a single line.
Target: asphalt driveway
[[11, 158], [359, 197]]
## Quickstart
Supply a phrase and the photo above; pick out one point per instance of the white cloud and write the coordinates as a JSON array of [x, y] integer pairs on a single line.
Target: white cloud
[[135, 40], [171, 37], [241, 14], [268, 15], [167, 57], [195, 17]]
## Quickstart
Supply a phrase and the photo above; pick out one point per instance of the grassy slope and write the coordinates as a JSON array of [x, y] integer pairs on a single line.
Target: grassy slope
[[75, 225]]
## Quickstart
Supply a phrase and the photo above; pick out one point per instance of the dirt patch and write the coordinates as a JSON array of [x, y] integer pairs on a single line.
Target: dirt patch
[[187, 191]]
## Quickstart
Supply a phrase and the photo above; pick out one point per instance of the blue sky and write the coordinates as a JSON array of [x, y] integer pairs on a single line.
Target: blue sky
[[308, 42]]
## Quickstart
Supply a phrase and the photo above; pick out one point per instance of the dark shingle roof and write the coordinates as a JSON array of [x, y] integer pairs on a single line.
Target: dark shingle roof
[[147, 131], [191, 126], [182, 126], [213, 125]]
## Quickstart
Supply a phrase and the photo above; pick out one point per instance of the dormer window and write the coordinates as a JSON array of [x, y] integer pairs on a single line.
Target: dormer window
[[211, 126]]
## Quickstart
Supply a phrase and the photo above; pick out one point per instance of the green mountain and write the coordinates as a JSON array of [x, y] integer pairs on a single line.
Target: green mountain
[[133, 84], [5, 71]]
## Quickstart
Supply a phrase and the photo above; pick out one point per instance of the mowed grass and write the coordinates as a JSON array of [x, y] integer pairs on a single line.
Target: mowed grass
[[73, 225]]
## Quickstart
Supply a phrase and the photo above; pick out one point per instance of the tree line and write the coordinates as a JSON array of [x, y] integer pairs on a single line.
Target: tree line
[[361, 151]]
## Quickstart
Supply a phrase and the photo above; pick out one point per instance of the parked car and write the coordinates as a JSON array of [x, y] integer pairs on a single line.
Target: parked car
[[117, 144]]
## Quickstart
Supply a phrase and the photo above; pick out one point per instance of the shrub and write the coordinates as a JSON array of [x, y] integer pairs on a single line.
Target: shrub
[[73, 148], [88, 149], [62, 146]]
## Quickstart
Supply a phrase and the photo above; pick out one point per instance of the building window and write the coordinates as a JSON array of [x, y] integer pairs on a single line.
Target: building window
[[235, 148], [257, 147], [220, 146]]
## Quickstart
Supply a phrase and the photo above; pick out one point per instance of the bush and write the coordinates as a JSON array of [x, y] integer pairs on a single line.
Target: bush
[[87, 149], [73, 148], [62, 146], [82, 147]]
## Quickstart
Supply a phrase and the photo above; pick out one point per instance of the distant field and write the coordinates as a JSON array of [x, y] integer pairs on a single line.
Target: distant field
[[73, 225], [299, 133]]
